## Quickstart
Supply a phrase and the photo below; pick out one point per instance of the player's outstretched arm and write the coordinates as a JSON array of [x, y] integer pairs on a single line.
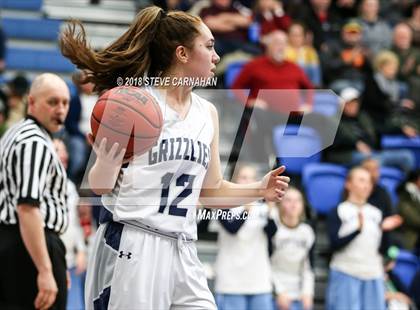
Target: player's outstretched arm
[[104, 173], [219, 193]]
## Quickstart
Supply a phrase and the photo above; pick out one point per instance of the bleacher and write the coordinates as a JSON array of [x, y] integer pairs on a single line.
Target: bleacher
[[32, 28]]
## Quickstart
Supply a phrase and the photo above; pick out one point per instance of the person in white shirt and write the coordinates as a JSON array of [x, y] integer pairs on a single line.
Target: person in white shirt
[[243, 264], [291, 269], [355, 227]]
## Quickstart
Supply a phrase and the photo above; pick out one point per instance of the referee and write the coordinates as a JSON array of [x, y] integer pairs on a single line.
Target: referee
[[33, 209]]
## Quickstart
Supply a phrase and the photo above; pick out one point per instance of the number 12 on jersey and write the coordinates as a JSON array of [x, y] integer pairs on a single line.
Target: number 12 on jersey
[[186, 181]]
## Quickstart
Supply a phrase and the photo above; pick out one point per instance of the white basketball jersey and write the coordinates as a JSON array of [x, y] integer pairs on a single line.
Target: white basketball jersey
[[161, 188]]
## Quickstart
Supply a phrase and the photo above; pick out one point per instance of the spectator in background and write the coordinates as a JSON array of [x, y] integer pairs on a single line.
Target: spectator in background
[[345, 62], [17, 91], [73, 239], [78, 125], [409, 58], [321, 20], [377, 34], [243, 275], [414, 23], [274, 85], [302, 54], [272, 71], [271, 16], [292, 274], [381, 98], [356, 277], [357, 139], [381, 199], [229, 21], [409, 209]]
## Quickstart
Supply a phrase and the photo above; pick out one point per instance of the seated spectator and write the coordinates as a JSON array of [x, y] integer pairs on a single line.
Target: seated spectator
[[292, 273], [17, 90], [381, 99], [271, 16], [356, 279], [272, 71], [357, 139], [243, 277], [274, 85], [377, 34], [414, 23], [409, 209], [409, 58], [229, 22], [319, 17], [302, 54], [345, 62], [78, 125]]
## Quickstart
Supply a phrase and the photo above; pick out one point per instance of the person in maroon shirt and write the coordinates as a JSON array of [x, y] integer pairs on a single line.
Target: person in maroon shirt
[[229, 21], [272, 72], [275, 86], [271, 16]]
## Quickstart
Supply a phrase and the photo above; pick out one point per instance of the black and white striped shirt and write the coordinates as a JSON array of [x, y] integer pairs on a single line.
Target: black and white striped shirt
[[31, 173]]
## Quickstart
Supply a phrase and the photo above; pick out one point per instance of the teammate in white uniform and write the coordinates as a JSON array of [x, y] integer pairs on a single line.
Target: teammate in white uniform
[[144, 254], [292, 274]]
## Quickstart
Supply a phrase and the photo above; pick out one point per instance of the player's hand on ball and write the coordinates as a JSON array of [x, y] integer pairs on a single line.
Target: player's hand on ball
[[47, 290], [275, 185], [108, 158]]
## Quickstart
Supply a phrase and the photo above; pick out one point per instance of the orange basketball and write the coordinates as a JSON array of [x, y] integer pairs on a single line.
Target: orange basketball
[[129, 116]]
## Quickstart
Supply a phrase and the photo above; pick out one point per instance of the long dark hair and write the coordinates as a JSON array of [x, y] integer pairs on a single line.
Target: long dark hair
[[147, 47]]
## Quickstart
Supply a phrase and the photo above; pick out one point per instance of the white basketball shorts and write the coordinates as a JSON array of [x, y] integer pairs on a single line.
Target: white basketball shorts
[[132, 269]]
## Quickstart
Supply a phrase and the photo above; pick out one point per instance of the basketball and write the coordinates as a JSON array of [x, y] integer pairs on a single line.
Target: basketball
[[129, 116]]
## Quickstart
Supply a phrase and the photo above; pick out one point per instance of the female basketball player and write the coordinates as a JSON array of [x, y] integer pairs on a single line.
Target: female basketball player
[[144, 255]]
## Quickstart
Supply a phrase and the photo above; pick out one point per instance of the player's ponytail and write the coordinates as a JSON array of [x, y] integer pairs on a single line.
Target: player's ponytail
[[147, 47]]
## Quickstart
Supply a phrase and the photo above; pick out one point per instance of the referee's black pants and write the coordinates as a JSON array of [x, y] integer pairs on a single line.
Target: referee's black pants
[[18, 274]]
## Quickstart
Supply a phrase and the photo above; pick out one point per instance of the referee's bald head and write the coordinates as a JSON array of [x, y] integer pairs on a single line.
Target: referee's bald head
[[45, 81], [48, 101]]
